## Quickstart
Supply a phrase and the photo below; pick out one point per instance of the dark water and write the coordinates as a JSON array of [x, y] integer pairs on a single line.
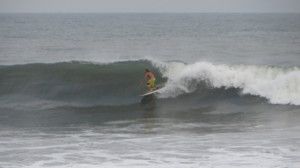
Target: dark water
[[70, 86]]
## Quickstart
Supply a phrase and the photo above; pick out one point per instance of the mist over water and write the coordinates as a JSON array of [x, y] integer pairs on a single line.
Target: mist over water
[[70, 90]]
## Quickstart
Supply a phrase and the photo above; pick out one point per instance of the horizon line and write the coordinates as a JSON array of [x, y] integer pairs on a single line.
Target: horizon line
[[149, 12]]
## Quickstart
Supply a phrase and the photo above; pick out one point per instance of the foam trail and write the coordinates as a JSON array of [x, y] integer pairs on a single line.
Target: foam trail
[[278, 85]]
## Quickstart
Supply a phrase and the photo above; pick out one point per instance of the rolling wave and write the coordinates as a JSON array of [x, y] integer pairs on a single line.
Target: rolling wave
[[91, 84]]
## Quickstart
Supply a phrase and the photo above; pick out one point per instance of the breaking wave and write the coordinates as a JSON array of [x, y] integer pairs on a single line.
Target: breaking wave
[[118, 83], [276, 84]]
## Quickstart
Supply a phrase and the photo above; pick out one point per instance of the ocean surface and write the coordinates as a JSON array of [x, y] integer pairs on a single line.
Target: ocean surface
[[70, 87]]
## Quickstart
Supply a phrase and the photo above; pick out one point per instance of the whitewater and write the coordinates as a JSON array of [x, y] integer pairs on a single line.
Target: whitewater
[[278, 85]]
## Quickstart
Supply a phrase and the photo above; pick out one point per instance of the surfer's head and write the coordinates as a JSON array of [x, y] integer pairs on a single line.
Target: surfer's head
[[147, 70]]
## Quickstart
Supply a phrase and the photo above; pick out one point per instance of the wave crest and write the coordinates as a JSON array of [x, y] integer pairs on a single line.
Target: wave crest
[[278, 85]]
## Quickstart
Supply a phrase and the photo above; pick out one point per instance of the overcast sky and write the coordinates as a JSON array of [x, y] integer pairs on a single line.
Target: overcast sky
[[91, 6]]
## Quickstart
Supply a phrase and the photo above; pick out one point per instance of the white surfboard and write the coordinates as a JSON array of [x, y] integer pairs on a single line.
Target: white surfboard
[[152, 92]]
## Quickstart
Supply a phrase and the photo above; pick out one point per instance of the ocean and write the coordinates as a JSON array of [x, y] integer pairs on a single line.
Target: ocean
[[70, 87]]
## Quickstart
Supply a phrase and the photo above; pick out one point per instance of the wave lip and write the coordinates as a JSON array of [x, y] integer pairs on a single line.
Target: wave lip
[[278, 85]]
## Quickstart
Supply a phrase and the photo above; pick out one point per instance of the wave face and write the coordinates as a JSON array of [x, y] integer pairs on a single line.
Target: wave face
[[118, 83], [277, 85], [79, 83]]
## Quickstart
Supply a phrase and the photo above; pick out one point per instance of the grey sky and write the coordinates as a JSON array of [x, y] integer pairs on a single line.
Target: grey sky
[[150, 6]]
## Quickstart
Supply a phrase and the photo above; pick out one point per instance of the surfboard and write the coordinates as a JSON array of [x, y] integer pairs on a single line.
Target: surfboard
[[151, 92]]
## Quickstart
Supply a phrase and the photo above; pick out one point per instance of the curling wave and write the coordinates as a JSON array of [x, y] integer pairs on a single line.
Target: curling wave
[[276, 84]]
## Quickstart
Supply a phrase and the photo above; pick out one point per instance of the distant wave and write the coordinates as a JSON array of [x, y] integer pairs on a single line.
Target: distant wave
[[118, 83]]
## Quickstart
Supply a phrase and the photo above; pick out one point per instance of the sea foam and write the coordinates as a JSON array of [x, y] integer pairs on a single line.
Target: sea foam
[[278, 85]]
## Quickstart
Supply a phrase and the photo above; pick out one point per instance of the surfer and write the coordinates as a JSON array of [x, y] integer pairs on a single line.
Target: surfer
[[150, 78]]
